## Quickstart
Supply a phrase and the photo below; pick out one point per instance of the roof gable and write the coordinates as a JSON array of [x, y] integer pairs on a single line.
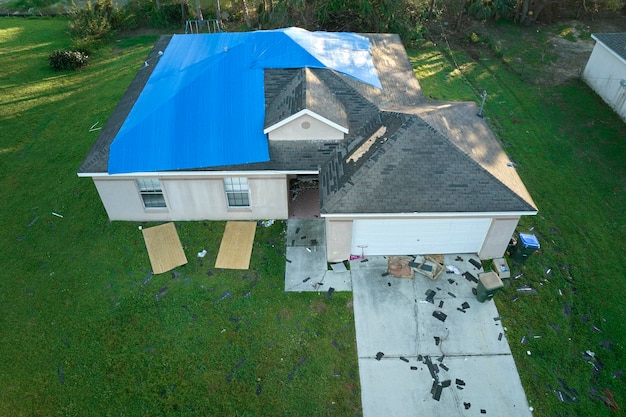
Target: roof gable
[[306, 93]]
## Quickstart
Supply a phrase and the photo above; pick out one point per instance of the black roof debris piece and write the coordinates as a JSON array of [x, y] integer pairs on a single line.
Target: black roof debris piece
[[496, 318], [61, 375], [446, 383], [413, 368], [470, 277], [288, 260], [384, 274], [437, 340], [235, 368], [430, 295], [161, 293], [301, 361], [467, 405], [451, 294], [461, 310], [402, 358], [306, 279], [458, 259], [500, 336], [441, 358], [389, 284], [436, 391], [459, 382], [297, 230], [439, 315], [379, 356], [483, 411], [450, 280], [440, 303], [465, 305], [476, 263], [444, 367], [474, 291]]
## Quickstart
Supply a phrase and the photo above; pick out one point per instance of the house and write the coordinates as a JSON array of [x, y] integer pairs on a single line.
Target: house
[[224, 126], [605, 71]]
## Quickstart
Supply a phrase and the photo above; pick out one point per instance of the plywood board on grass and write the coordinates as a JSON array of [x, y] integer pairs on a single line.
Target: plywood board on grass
[[164, 248], [236, 246]]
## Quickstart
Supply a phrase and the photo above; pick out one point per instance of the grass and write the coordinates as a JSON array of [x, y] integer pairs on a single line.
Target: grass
[[85, 329], [569, 150]]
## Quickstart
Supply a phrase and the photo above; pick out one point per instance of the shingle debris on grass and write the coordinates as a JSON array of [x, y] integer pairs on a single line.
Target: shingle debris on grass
[[225, 295], [292, 375], [61, 375], [235, 368], [330, 292], [259, 388], [161, 293]]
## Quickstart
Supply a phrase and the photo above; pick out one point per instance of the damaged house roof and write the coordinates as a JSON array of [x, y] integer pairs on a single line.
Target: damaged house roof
[[400, 153]]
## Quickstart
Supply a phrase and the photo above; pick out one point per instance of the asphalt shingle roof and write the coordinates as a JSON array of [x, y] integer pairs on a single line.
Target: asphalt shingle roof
[[402, 154]]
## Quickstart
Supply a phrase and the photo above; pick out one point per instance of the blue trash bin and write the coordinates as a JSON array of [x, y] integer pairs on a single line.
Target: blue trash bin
[[526, 245]]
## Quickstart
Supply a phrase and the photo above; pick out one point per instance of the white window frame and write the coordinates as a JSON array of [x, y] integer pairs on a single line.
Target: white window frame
[[237, 192], [151, 193]]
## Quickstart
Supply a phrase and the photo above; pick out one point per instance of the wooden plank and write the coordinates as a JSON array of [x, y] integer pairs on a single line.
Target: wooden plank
[[236, 247], [164, 248]]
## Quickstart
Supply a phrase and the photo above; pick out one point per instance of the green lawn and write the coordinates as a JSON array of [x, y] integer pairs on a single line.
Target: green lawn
[[85, 329], [570, 150]]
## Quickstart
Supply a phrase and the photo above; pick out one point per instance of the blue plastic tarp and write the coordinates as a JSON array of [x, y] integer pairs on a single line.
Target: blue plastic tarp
[[203, 106]]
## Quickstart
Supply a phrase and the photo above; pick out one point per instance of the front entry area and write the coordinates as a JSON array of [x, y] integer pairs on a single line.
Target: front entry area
[[304, 197]]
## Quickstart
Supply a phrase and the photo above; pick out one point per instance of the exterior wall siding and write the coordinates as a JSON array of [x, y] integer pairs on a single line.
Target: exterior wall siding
[[294, 130], [338, 239], [605, 74], [498, 237], [194, 198]]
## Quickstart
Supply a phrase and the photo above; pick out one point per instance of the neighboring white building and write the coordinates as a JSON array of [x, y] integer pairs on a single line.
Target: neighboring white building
[[605, 71], [224, 124]]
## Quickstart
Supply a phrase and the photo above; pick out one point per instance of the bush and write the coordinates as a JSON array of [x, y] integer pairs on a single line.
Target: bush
[[67, 60]]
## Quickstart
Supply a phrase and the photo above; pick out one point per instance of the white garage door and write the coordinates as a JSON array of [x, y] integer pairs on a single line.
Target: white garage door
[[418, 236]]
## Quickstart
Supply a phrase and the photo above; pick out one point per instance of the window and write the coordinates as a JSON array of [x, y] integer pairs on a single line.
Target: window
[[237, 192], [151, 192]]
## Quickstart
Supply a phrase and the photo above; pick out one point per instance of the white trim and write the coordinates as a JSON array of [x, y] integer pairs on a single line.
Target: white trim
[[615, 54], [427, 215], [302, 113], [172, 174]]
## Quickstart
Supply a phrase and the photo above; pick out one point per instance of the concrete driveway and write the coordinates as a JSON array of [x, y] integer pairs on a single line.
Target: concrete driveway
[[414, 364], [410, 362]]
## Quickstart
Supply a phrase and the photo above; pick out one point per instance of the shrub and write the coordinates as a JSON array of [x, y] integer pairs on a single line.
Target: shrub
[[67, 60], [92, 25]]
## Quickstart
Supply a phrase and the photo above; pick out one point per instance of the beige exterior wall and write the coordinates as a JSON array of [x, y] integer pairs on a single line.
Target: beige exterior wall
[[498, 236], [194, 198], [295, 130], [605, 73], [338, 239]]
